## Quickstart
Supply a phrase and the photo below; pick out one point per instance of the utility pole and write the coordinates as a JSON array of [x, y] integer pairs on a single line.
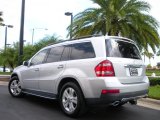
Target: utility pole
[[21, 33], [71, 27], [33, 32], [32, 35], [4, 67]]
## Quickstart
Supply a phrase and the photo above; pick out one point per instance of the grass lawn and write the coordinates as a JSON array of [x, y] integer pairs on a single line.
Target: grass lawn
[[154, 92], [149, 72], [5, 73]]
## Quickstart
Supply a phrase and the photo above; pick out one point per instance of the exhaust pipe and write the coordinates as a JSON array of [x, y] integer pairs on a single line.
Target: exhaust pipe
[[116, 103]]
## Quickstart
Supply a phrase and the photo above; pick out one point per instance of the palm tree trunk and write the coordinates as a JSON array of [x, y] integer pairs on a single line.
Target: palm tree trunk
[[150, 61], [117, 33], [109, 32]]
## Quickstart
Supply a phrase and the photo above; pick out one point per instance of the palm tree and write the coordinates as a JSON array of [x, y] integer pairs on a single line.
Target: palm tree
[[127, 18], [1, 19], [144, 54], [158, 53], [149, 55], [9, 57]]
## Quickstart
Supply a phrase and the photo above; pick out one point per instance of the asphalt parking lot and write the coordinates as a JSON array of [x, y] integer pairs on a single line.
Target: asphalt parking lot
[[34, 108]]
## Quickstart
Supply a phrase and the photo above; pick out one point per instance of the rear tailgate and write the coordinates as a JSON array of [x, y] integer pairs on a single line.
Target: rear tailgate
[[128, 70], [126, 60]]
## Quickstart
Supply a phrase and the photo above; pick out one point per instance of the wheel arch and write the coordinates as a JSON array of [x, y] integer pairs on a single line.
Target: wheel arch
[[14, 74], [18, 76], [66, 80]]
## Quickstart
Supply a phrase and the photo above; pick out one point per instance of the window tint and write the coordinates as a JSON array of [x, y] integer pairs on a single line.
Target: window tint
[[39, 58], [55, 54], [82, 51], [65, 54], [117, 48]]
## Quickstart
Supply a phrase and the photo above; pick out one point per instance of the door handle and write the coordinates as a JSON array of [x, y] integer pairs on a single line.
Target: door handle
[[60, 66], [37, 69]]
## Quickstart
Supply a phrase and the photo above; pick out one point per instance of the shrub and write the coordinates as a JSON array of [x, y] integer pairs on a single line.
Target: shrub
[[150, 71], [149, 66], [154, 81]]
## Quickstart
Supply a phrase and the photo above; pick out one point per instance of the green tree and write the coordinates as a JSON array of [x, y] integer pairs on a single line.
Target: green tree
[[30, 50], [1, 58], [144, 54], [149, 55], [127, 18], [158, 53], [9, 57], [1, 19], [46, 41]]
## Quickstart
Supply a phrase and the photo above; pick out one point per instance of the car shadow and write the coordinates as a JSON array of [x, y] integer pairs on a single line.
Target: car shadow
[[93, 112], [42, 102], [126, 112]]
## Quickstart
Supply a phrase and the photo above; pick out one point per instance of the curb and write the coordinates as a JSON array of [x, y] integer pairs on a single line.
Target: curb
[[150, 100], [4, 78], [149, 103], [5, 83]]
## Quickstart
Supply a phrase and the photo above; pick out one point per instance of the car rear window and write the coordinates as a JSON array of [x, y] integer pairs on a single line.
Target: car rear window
[[122, 49]]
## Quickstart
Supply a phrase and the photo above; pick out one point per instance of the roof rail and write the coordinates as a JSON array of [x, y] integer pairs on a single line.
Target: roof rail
[[61, 41], [120, 37], [88, 36]]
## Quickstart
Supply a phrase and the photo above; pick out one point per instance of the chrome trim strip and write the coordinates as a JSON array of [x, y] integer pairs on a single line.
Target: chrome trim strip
[[35, 93]]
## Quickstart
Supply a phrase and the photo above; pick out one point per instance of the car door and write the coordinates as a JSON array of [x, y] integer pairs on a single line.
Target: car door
[[53, 68], [30, 75]]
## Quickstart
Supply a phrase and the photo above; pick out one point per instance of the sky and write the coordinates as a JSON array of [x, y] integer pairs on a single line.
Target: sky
[[48, 14], [44, 14]]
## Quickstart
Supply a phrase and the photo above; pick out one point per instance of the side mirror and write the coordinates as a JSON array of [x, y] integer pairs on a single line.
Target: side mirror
[[25, 63]]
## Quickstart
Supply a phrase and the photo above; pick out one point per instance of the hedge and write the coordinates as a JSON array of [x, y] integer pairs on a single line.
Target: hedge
[[150, 71], [154, 81]]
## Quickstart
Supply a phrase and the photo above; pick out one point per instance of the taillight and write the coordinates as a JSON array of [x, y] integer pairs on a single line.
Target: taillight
[[113, 91], [104, 69]]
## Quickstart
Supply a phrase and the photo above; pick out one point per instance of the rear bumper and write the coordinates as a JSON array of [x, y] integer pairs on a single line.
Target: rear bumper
[[93, 87], [110, 98]]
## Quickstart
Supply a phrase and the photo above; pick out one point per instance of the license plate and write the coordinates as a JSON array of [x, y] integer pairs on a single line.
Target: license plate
[[133, 71]]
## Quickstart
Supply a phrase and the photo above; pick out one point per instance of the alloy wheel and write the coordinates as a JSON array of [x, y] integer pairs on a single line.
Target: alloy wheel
[[69, 99]]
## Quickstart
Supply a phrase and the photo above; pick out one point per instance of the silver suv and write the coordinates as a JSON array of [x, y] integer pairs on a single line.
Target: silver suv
[[88, 71]]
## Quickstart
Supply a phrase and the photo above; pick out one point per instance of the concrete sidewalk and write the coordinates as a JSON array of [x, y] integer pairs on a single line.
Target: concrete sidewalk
[[149, 103], [3, 83]]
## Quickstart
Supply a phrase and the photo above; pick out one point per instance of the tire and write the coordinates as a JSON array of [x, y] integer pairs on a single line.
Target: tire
[[14, 87], [72, 100]]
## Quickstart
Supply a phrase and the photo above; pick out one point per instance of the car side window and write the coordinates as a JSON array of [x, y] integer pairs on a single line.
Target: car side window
[[39, 58], [82, 51], [65, 54], [55, 54]]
